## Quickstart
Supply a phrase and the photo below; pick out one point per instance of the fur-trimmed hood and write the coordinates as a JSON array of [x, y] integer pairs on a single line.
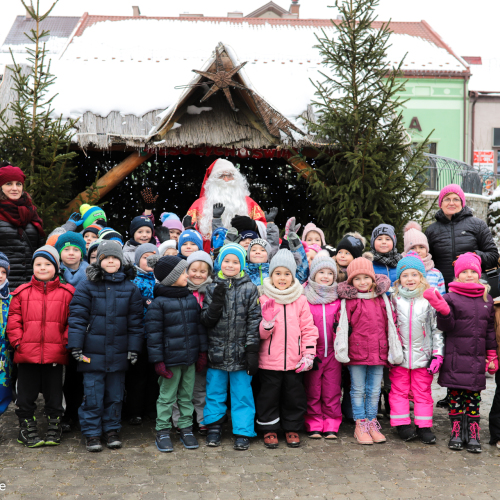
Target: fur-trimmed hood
[[96, 273], [347, 291]]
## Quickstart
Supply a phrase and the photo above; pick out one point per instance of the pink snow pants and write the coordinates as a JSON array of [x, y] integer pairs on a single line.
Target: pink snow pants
[[323, 396], [418, 381]]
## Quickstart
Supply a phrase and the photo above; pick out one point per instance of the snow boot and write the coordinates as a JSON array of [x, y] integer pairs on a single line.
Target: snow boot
[[214, 435], [426, 435], [54, 431], [28, 433], [362, 432], [406, 432], [93, 444], [112, 440], [472, 440], [456, 440], [375, 428]]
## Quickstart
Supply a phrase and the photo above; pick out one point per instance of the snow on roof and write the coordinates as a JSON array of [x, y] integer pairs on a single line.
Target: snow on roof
[[486, 77]]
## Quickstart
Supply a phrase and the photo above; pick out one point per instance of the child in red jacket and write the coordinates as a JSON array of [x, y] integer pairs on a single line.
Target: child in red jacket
[[38, 331]]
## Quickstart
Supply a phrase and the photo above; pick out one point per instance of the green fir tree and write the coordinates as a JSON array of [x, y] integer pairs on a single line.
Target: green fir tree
[[367, 171], [33, 138]]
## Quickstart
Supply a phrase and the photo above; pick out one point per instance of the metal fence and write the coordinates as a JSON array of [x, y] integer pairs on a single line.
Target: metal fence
[[442, 171]]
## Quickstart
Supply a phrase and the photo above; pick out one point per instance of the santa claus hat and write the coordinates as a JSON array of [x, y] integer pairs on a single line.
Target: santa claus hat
[[218, 166]]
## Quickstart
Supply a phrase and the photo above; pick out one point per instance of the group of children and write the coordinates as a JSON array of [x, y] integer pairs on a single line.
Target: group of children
[[271, 323]]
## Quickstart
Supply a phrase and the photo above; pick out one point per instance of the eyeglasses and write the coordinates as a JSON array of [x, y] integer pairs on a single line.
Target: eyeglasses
[[447, 201]]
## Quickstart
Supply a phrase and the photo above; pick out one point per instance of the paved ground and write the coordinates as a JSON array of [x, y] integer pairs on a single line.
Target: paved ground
[[319, 469]]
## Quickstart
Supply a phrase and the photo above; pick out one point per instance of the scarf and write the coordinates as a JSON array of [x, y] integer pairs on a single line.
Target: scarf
[[74, 277], [173, 292], [201, 288], [320, 294], [20, 213], [427, 260], [467, 289], [284, 297], [410, 294], [4, 291], [390, 259], [341, 344]]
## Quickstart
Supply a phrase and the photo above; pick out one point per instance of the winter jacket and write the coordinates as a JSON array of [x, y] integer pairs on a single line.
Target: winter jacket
[[145, 282], [38, 322], [129, 253], [200, 297], [324, 318], [367, 318], [469, 331], [386, 270], [463, 233], [19, 251], [106, 319], [435, 279], [236, 326], [75, 277], [418, 330], [174, 332], [292, 336], [5, 352]]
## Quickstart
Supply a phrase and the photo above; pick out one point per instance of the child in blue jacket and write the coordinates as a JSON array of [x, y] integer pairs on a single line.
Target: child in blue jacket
[[385, 253], [5, 349]]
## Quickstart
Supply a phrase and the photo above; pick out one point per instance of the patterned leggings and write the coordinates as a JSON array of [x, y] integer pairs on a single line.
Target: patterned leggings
[[464, 401]]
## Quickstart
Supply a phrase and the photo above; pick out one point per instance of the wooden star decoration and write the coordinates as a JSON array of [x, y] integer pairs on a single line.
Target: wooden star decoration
[[222, 80]]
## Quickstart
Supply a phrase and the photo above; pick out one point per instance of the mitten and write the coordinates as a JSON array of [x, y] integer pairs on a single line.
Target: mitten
[[76, 218], [294, 241], [232, 236], [149, 199], [291, 227], [491, 357], [187, 222], [435, 365], [201, 363], [162, 370], [244, 223], [76, 353], [133, 356], [252, 359], [305, 364], [436, 301], [219, 294], [218, 210], [269, 313], [271, 215]]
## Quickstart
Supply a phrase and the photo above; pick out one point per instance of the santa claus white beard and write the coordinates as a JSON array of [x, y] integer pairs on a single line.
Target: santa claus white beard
[[231, 194]]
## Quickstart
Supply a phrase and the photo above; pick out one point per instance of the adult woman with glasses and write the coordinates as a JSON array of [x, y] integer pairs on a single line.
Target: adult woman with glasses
[[456, 231]]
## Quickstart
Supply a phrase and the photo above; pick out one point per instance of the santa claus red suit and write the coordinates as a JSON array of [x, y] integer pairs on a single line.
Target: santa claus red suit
[[223, 183]]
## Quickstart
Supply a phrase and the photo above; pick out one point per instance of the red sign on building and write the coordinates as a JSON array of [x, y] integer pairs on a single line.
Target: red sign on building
[[484, 158]]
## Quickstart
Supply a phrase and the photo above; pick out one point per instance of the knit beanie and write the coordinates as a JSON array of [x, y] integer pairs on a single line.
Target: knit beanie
[[166, 245], [93, 246], [361, 265], [93, 228], [70, 239], [323, 261], [168, 269], [109, 248], [259, 241], [200, 256], [466, 261], [108, 233], [142, 249], [138, 222], [414, 236], [283, 258], [354, 243], [312, 227], [233, 249], [190, 235], [91, 214], [171, 221], [49, 253], [168, 215], [9, 173], [249, 234], [332, 251], [383, 229], [410, 261], [309, 246], [4, 262], [452, 188]]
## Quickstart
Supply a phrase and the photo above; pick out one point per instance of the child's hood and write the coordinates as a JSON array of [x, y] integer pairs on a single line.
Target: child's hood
[[347, 291], [96, 273]]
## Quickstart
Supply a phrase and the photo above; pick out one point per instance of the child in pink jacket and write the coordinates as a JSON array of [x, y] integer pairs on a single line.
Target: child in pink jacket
[[287, 350], [323, 386], [366, 340]]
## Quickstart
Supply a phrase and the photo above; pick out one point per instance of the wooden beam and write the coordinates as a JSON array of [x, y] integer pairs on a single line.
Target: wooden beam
[[299, 165], [112, 178]]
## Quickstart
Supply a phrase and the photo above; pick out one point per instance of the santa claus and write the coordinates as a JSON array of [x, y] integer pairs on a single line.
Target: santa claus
[[223, 183]]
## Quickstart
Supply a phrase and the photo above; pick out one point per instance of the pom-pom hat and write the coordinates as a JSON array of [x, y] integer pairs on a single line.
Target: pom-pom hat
[[466, 261], [410, 261], [354, 243], [414, 236], [91, 214]]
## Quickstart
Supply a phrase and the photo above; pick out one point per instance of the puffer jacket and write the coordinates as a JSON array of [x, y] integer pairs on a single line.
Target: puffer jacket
[[418, 330], [324, 319], [368, 342], [463, 233], [292, 336], [386, 270], [174, 332], [234, 328], [469, 330], [38, 322], [19, 251], [129, 252], [106, 319]]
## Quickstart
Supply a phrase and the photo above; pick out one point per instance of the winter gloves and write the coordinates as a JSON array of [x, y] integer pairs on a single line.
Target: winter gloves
[[202, 361], [217, 304], [133, 356], [491, 357], [291, 227], [269, 314], [162, 370], [305, 364], [244, 223], [187, 222], [271, 215], [77, 354], [218, 210], [436, 301], [435, 365], [149, 199], [76, 218], [252, 359]]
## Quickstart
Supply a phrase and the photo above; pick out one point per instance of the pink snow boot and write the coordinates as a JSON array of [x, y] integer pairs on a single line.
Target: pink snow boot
[[362, 432]]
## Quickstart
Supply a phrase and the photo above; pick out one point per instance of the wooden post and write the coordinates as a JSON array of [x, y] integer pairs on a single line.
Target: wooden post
[[299, 165], [111, 178]]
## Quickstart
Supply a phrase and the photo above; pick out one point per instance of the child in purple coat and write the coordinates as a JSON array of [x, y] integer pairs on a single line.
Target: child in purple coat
[[467, 317], [323, 386]]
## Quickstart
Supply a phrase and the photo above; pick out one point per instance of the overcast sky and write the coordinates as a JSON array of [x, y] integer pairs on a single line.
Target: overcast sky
[[469, 27]]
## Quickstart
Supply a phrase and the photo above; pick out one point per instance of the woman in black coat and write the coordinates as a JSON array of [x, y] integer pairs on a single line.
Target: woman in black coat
[[21, 231], [456, 231]]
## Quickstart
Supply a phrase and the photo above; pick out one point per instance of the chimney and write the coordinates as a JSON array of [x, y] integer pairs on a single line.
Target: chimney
[[136, 12], [28, 15], [188, 14], [235, 14], [294, 8]]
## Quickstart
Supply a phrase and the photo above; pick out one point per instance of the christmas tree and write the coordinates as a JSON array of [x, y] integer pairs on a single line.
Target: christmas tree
[[34, 139], [367, 171], [494, 216]]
